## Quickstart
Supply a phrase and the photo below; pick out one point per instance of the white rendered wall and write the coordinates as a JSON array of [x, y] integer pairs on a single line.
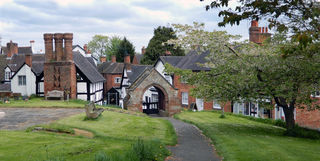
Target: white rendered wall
[[30, 87], [160, 68], [81, 87]]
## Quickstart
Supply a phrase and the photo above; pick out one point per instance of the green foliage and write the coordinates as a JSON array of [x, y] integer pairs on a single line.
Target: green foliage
[[157, 46], [98, 45], [125, 48], [238, 138], [244, 71], [140, 151], [113, 46]]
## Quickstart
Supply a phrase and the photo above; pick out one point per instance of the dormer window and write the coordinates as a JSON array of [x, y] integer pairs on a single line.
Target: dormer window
[[7, 75]]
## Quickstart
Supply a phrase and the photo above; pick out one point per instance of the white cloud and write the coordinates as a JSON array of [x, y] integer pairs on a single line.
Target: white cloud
[[73, 2], [3, 2]]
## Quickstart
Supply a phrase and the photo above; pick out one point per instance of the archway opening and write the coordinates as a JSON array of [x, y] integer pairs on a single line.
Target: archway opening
[[153, 100]]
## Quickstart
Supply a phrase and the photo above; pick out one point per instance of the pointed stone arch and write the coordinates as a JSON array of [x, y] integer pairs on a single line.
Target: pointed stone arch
[[149, 78]]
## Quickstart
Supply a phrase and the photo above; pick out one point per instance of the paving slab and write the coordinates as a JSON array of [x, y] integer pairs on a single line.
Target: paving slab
[[192, 144], [22, 118]]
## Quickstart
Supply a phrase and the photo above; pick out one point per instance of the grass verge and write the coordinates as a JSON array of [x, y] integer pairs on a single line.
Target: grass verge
[[114, 134], [237, 138]]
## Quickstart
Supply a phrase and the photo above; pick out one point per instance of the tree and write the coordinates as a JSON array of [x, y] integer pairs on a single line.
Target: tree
[[113, 46], [244, 71], [125, 47], [98, 45], [157, 46], [300, 18]]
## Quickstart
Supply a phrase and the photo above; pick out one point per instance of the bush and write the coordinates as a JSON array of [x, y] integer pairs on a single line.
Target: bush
[[303, 133], [140, 151]]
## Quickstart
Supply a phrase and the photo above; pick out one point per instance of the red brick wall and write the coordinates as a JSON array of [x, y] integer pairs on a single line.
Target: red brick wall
[[310, 119], [183, 87], [110, 81]]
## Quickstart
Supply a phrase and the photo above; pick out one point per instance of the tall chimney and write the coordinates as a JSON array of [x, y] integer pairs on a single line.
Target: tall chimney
[[127, 59], [113, 59], [258, 34], [48, 47], [85, 47], [143, 50], [58, 44], [28, 59], [32, 45], [103, 59], [12, 49], [68, 46]]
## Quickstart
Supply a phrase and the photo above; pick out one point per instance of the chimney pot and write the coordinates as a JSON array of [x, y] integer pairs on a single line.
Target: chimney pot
[[143, 50], [266, 29], [28, 59], [68, 46], [85, 47], [103, 59], [58, 44], [254, 23], [48, 44], [127, 59], [113, 59]]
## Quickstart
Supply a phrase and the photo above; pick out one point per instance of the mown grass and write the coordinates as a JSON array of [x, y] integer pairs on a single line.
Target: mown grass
[[41, 103], [114, 133], [237, 138]]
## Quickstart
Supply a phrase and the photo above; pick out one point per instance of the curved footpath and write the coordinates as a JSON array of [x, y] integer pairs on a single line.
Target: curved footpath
[[192, 145]]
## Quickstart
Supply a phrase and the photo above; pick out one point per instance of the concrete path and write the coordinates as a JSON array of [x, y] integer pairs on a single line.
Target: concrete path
[[192, 145], [22, 118]]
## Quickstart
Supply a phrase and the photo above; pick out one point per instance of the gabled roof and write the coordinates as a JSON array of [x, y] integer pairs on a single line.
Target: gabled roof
[[5, 87], [111, 68], [136, 71], [89, 70], [21, 50], [190, 61], [91, 60]]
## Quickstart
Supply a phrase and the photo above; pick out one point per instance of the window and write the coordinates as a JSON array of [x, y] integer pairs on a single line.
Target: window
[[117, 80], [316, 94], [184, 96], [216, 105], [7, 75], [22, 80]]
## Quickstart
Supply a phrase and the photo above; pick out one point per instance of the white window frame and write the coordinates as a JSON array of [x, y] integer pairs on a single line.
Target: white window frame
[[216, 105], [7, 75], [22, 80], [117, 80], [184, 98]]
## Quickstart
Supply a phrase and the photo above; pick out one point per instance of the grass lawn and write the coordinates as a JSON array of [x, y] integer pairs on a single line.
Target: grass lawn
[[40, 102], [238, 138], [114, 133]]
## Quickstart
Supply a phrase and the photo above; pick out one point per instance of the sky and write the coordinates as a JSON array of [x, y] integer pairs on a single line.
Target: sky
[[25, 20]]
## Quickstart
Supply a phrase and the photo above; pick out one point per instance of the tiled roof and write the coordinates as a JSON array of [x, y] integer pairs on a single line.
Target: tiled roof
[[191, 61], [89, 70], [136, 71], [5, 87], [111, 68]]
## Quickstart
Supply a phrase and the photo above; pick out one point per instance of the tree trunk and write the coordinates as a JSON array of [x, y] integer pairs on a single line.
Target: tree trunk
[[288, 110], [289, 117]]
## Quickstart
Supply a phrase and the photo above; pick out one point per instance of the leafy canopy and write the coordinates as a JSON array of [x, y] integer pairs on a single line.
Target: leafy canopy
[[125, 47], [157, 47], [244, 71], [98, 45]]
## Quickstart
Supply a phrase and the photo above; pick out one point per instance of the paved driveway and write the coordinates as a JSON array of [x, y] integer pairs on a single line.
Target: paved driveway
[[22, 118]]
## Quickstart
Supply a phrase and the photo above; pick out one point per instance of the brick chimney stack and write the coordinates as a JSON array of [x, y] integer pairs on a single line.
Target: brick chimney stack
[[12, 49], [103, 59], [258, 34], [32, 45], [68, 46], [58, 44], [48, 47], [59, 69], [143, 50], [113, 59], [28, 59], [127, 59]]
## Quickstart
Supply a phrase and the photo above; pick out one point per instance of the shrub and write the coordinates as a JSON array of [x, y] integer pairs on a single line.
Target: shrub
[[303, 133], [140, 151]]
